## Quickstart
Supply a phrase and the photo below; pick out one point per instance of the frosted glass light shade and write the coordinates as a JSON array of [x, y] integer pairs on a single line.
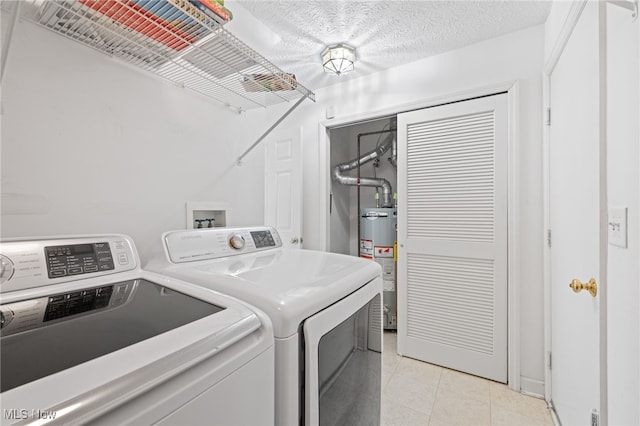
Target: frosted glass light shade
[[338, 58]]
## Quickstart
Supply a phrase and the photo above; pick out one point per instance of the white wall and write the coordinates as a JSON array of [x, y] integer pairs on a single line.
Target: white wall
[[623, 186], [90, 145], [518, 56]]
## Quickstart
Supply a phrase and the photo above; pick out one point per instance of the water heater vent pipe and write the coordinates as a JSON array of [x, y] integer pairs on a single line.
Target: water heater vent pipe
[[339, 170]]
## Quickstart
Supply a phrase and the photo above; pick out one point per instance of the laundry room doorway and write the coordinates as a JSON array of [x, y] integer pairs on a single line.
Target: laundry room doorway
[[492, 121]]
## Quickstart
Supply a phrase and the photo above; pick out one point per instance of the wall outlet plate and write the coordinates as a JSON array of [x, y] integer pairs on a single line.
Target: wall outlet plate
[[617, 226]]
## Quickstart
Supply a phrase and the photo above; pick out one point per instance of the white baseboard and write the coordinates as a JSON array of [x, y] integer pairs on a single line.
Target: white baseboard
[[533, 387]]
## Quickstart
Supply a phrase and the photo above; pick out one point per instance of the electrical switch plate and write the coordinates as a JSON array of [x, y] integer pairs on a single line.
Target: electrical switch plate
[[618, 226]]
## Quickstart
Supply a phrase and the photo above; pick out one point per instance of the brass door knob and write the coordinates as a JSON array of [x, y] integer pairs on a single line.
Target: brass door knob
[[577, 286]]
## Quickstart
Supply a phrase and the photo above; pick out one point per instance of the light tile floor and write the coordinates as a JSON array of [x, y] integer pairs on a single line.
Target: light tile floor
[[416, 393]]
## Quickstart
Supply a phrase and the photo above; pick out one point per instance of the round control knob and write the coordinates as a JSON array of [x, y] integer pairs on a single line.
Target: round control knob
[[6, 268], [236, 241], [5, 318]]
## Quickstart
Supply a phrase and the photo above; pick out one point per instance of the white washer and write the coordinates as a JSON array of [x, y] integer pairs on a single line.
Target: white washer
[[87, 336], [325, 309]]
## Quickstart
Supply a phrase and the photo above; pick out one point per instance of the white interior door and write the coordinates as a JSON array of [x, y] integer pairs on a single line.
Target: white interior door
[[576, 198], [623, 190], [452, 235], [283, 185]]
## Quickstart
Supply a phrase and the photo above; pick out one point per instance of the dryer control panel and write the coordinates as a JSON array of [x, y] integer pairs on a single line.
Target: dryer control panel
[[215, 243], [29, 264]]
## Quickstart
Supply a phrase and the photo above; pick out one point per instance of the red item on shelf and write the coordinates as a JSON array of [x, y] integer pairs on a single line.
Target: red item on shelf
[[139, 19], [216, 8]]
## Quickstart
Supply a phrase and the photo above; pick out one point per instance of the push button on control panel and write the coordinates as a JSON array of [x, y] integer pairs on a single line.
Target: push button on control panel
[[78, 259]]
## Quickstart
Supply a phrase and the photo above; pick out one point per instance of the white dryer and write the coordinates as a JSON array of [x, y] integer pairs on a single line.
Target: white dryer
[[325, 309], [87, 336]]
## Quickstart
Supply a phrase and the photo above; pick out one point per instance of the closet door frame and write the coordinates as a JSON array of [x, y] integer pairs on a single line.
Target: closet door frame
[[513, 186]]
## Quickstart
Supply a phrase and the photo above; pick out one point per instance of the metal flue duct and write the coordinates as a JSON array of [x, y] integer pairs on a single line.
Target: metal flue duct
[[339, 170]]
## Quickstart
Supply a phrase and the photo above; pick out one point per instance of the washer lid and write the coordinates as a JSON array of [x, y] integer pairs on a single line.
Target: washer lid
[[49, 334], [289, 285]]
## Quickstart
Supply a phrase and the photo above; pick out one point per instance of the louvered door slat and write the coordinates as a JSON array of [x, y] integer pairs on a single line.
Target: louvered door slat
[[429, 284], [466, 142], [452, 235]]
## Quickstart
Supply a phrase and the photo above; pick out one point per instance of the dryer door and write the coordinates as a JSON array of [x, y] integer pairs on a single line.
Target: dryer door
[[343, 357]]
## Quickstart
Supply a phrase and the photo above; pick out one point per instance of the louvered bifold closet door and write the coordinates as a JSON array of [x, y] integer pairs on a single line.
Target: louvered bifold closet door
[[452, 235]]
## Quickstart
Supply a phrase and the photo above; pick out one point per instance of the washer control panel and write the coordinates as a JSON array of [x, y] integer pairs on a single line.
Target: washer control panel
[[205, 244], [78, 259], [28, 264]]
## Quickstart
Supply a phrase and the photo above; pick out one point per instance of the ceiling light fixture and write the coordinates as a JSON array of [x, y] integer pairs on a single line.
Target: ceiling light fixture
[[338, 58]]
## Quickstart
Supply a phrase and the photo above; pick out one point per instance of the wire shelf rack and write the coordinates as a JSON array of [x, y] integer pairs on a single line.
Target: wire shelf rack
[[177, 41]]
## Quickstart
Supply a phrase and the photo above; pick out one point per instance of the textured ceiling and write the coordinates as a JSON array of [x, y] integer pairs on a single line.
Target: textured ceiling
[[385, 33]]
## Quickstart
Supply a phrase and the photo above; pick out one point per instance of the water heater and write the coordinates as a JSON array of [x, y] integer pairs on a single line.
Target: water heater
[[377, 242]]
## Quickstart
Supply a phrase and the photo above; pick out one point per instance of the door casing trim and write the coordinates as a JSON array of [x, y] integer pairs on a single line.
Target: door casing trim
[[513, 216]]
